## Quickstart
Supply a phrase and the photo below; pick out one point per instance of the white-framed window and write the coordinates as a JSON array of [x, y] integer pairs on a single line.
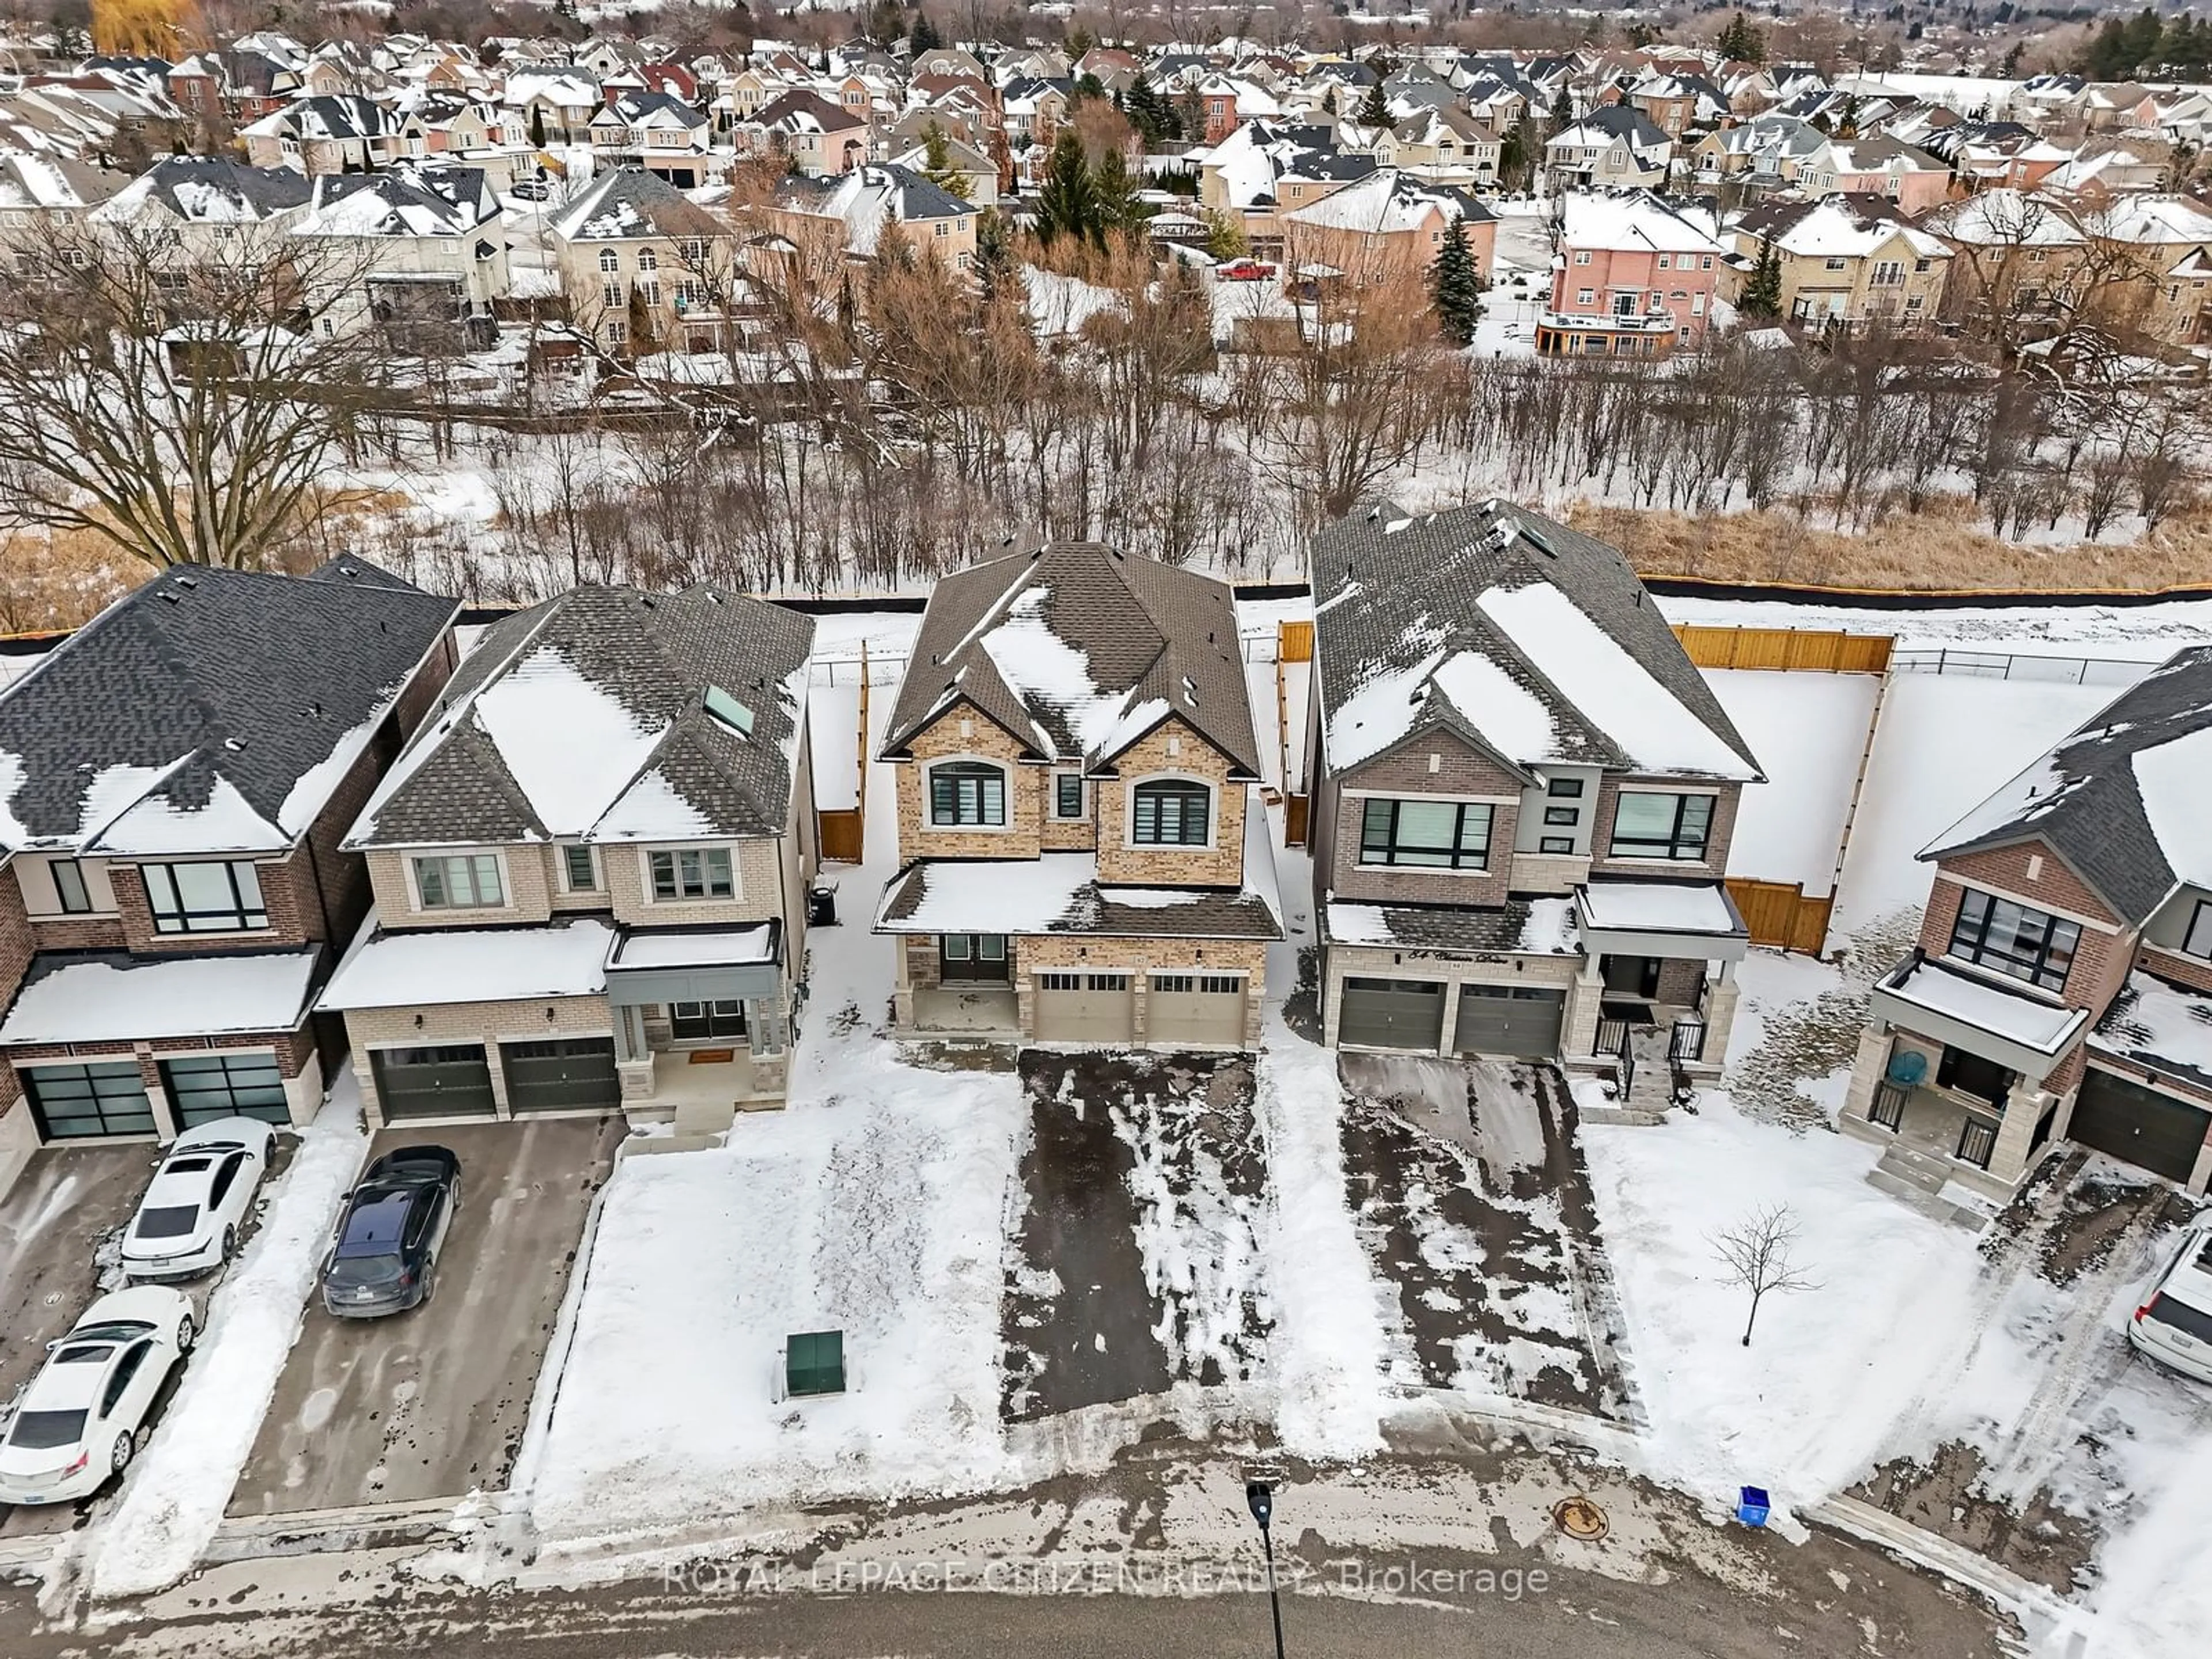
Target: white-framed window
[[204, 898], [966, 794], [1666, 263], [688, 874], [1582, 256], [609, 259], [465, 881], [580, 868], [648, 259], [616, 329], [1585, 296]]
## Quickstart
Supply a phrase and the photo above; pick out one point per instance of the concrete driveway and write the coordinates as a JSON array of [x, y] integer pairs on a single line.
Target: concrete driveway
[[431, 1403]]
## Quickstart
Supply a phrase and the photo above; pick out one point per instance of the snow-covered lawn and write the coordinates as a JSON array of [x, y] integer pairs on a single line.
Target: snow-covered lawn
[[1808, 732], [1945, 741], [175, 1495]]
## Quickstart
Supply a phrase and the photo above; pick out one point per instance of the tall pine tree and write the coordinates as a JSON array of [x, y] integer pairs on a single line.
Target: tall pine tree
[[1455, 286], [1067, 204], [923, 36], [1375, 109], [1762, 294]]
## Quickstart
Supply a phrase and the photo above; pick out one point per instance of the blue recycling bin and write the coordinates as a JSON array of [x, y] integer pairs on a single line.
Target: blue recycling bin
[[1751, 1506]]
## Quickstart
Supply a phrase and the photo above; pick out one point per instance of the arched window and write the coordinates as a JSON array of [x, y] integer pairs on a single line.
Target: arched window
[[609, 260], [1171, 812], [965, 793], [648, 259]]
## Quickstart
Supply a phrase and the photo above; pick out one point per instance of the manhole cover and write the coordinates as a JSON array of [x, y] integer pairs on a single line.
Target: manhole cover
[[1578, 1517]]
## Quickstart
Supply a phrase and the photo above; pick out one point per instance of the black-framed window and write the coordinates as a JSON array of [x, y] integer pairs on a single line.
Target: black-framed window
[[1556, 844], [692, 872], [2198, 941], [1568, 816], [69, 889], [582, 867], [469, 881], [964, 792], [1425, 835], [1067, 795], [1649, 825], [2011, 938], [1564, 789], [700, 1022], [204, 898], [1171, 812]]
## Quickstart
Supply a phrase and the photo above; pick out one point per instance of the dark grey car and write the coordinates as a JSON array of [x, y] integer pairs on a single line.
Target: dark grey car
[[385, 1259]]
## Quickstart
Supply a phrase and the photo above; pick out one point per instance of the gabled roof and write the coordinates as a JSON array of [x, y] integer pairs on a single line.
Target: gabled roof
[[1847, 226], [869, 197], [609, 714], [1078, 650], [1389, 201], [416, 200], [2125, 797], [210, 190], [209, 711], [1516, 634], [630, 203], [804, 112], [1609, 124], [1633, 221]]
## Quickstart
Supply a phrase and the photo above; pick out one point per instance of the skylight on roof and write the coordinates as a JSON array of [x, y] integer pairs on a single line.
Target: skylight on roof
[[728, 710]]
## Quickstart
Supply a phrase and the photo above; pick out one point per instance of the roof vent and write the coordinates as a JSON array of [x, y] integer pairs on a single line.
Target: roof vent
[[729, 711], [188, 581], [168, 598]]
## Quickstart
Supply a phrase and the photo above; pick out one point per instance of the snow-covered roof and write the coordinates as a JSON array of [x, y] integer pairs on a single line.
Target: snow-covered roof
[[1543, 926], [609, 714], [405, 201], [170, 725], [208, 189], [2045, 1027], [137, 1000], [696, 947], [630, 203], [2157, 220], [1389, 202], [1632, 221], [1657, 906], [1061, 893], [1078, 650], [1838, 226], [1519, 634], [2159, 1026], [2003, 217], [454, 965], [2125, 799]]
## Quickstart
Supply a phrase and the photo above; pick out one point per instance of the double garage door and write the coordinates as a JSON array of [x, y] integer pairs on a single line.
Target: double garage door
[[108, 1098], [453, 1079], [1199, 1010], [2139, 1126], [1409, 1013]]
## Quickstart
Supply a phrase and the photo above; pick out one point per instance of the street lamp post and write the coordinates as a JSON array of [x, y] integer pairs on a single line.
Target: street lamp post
[[1260, 1498]]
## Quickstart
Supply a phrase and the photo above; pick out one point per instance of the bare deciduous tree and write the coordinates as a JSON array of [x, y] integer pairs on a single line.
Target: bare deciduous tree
[[1757, 1254]]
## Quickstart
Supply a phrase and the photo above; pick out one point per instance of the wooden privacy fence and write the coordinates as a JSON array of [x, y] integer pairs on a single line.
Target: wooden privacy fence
[[1814, 650], [842, 832], [1778, 913]]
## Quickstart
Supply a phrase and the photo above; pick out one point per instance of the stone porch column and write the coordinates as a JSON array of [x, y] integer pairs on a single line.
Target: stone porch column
[[1721, 993], [1875, 1043], [1452, 1019], [2024, 1105], [1584, 993], [902, 983]]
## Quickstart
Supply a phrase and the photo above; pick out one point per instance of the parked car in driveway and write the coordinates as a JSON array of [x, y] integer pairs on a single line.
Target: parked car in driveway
[[83, 1418], [204, 1188], [2174, 1323], [385, 1259]]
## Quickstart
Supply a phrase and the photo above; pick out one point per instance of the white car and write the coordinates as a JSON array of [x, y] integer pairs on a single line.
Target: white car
[[2174, 1324], [83, 1416], [189, 1221]]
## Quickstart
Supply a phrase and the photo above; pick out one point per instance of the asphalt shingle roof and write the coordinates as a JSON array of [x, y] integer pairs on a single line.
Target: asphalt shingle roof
[[205, 677]]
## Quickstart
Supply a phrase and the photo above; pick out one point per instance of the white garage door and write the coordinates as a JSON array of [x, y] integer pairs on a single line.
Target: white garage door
[[1086, 1007], [1206, 1011]]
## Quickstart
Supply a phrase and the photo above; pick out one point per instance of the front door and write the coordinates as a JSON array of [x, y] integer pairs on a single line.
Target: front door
[[1631, 976], [969, 957]]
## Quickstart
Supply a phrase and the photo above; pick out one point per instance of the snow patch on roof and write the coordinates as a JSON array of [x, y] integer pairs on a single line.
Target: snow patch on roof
[[183, 996], [507, 964]]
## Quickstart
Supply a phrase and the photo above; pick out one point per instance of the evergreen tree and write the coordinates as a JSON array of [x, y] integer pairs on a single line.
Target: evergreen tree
[[994, 250], [936, 162], [1762, 294], [1067, 204], [1847, 119], [923, 36], [886, 22], [1116, 187], [1088, 85], [1455, 286], [1374, 108], [1516, 154], [1147, 112], [1563, 112], [1742, 41], [538, 125]]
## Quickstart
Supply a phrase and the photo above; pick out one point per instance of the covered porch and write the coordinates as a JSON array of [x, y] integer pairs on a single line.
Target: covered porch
[[1657, 977], [702, 1028]]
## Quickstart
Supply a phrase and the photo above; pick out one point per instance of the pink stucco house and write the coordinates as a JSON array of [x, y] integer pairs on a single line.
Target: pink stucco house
[[1634, 277]]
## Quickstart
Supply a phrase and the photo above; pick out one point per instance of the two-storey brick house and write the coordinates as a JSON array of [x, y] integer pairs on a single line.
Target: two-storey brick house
[[1084, 855], [590, 870], [1523, 797], [175, 780], [2061, 987]]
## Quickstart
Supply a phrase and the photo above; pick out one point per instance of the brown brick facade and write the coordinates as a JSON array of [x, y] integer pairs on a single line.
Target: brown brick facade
[[1718, 837], [2101, 962], [2192, 971], [2053, 887], [1460, 771]]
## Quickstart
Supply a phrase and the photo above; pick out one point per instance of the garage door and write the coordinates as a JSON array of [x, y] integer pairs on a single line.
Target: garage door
[[560, 1074], [70, 1102], [1391, 1013], [2148, 1129], [1206, 1011], [1084, 1008], [204, 1087], [1509, 1019], [446, 1080]]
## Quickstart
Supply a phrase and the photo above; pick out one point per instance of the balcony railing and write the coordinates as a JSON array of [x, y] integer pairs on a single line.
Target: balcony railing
[[1888, 1106], [1977, 1141]]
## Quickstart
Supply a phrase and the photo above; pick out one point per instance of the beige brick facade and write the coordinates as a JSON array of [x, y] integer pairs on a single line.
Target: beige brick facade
[[1139, 959], [960, 734], [488, 1023], [1172, 750]]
